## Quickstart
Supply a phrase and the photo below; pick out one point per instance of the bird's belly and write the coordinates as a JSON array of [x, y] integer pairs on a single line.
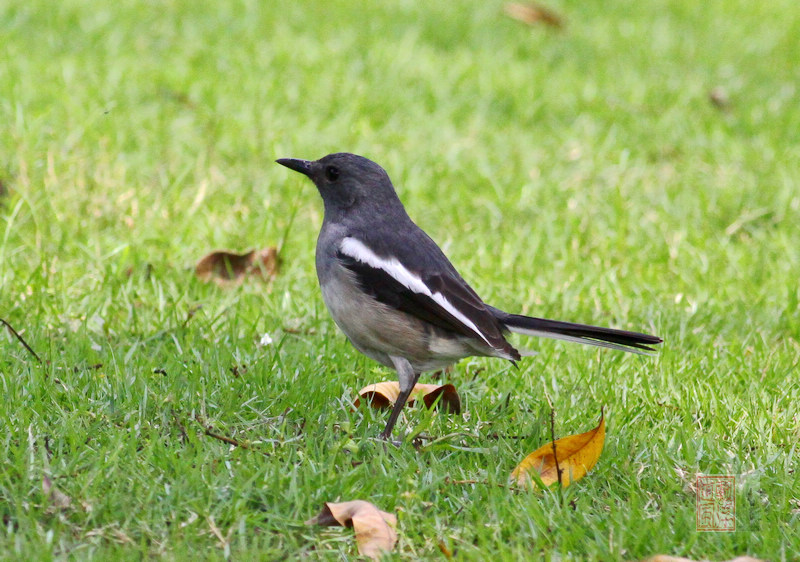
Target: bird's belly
[[379, 331]]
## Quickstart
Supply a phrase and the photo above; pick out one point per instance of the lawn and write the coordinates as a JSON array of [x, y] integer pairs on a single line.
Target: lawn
[[638, 168]]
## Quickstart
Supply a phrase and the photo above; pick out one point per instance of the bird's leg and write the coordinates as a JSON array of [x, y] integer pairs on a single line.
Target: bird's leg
[[408, 378]]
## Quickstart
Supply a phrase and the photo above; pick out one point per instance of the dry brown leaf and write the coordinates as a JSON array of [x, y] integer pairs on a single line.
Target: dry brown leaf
[[577, 454], [58, 499], [668, 558], [533, 13], [720, 98], [227, 268], [448, 554], [374, 529], [384, 394]]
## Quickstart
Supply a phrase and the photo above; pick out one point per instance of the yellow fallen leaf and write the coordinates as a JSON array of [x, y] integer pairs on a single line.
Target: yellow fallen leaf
[[384, 394], [227, 268], [577, 454], [374, 528]]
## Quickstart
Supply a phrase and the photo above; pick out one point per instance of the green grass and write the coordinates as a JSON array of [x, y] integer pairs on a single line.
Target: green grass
[[582, 175]]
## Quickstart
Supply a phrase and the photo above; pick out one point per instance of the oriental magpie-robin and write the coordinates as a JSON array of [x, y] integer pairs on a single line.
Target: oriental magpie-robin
[[395, 294]]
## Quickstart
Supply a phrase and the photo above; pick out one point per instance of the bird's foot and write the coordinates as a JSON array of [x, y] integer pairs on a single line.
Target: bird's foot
[[387, 440]]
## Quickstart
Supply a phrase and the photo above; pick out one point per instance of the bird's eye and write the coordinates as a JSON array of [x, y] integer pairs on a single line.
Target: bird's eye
[[332, 173]]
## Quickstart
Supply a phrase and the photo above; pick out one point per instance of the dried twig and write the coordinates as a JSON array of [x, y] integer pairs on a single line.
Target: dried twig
[[47, 447], [209, 430], [553, 436], [22, 341], [184, 436], [224, 542], [189, 315], [496, 435], [449, 480]]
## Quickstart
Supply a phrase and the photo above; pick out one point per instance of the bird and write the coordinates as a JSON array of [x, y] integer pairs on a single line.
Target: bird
[[396, 296]]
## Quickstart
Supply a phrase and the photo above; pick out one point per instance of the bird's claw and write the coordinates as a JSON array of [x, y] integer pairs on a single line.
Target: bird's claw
[[388, 441]]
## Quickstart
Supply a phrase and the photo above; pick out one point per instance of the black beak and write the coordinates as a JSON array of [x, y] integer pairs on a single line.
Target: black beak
[[302, 166]]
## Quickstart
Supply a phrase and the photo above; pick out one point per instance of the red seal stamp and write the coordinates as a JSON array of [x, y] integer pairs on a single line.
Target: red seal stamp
[[716, 503]]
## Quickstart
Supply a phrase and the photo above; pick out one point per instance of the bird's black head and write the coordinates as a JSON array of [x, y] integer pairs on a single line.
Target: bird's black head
[[346, 181]]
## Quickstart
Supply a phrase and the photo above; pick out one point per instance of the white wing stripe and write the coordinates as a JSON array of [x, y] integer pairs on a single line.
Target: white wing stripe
[[357, 250]]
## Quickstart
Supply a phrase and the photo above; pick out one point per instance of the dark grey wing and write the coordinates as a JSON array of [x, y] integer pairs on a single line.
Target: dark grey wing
[[450, 305]]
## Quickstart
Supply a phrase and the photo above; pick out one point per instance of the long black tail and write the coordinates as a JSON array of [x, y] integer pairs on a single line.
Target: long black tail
[[623, 340]]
